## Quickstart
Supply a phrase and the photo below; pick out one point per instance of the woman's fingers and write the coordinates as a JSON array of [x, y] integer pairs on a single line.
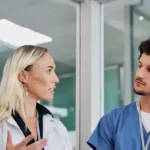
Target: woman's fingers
[[39, 145], [26, 140], [9, 138]]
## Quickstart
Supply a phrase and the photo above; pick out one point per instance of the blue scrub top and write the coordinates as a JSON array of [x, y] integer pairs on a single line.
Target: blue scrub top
[[118, 130]]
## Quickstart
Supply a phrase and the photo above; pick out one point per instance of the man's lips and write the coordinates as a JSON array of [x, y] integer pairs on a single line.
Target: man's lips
[[139, 82]]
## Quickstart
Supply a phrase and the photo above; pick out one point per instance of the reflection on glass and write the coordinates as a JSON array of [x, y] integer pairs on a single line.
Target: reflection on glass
[[55, 19], [27, 35], [141, 25], [113, 87], [114, 43]]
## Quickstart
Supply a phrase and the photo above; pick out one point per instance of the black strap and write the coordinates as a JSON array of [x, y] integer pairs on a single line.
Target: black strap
[[41, 126], [22, 126], [41, 112]]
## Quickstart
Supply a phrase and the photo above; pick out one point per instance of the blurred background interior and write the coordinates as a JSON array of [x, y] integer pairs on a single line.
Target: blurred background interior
[[58, 19]]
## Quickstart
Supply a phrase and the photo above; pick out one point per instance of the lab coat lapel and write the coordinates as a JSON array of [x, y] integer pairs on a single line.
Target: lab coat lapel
[[49, 123]]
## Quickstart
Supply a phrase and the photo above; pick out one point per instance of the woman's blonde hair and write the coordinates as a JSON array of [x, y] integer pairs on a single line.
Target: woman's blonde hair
[[11, 88]]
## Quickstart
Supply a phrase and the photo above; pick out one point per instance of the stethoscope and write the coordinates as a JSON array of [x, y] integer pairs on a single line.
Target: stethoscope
[[144, 147]]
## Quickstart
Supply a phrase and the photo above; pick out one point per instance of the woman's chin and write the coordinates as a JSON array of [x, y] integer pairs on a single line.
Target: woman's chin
[[49, 98]]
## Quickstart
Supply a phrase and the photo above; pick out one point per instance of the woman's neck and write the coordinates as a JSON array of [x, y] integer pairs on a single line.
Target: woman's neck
[[30, 108]]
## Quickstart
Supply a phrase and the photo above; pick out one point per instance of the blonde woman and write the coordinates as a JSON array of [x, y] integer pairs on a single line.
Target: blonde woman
[[29, 75]]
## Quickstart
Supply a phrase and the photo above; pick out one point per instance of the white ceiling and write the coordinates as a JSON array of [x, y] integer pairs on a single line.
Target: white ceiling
[[57, 19], [52, 18]]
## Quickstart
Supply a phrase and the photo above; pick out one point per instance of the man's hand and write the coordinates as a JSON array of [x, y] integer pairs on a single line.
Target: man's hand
[[39, 145]]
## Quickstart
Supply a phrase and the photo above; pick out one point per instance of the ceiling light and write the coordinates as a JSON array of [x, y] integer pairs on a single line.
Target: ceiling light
[[141, 18], [14, 35]]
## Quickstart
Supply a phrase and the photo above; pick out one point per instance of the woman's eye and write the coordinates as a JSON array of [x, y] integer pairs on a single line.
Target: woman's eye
[[49, 70]]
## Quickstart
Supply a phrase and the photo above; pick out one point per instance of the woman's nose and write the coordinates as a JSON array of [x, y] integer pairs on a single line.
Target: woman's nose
[[55, 79]]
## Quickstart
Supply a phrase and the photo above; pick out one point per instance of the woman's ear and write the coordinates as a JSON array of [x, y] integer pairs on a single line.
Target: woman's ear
[[23, 76]]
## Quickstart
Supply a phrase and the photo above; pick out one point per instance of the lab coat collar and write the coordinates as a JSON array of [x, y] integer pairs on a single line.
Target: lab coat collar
[[12, 122], [49, 122]]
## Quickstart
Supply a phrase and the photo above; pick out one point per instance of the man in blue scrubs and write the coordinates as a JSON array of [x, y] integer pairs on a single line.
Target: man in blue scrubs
[[128, 127]]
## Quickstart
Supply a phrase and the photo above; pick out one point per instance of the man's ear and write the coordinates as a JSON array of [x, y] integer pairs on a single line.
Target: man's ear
[[23, 76]]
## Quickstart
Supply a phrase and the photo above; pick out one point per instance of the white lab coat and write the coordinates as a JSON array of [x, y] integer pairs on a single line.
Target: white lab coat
[[53, 130]]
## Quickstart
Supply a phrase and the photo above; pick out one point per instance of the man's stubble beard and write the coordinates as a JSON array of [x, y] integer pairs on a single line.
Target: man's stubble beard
[[141, 93]]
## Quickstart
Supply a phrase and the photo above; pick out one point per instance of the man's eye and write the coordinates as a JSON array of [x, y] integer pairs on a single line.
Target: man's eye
[[139, 66], [148, 69]]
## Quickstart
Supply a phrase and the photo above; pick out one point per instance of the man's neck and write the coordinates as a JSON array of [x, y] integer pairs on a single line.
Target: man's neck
[[145, 103]]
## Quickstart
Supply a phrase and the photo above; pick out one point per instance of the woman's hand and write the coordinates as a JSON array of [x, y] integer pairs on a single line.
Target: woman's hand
[[39, 145]]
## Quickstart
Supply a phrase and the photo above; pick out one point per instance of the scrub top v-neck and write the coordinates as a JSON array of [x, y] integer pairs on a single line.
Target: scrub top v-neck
[[119, 130]]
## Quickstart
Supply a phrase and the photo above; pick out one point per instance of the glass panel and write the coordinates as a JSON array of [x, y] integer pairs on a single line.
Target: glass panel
[[114, 47], [56, 19], [113, 87], [141, 24]]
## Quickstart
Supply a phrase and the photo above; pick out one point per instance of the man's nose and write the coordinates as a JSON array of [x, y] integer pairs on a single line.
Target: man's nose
[[140, 73]]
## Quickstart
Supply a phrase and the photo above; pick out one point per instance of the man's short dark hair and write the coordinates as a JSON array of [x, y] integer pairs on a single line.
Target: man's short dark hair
[[144, 47]]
